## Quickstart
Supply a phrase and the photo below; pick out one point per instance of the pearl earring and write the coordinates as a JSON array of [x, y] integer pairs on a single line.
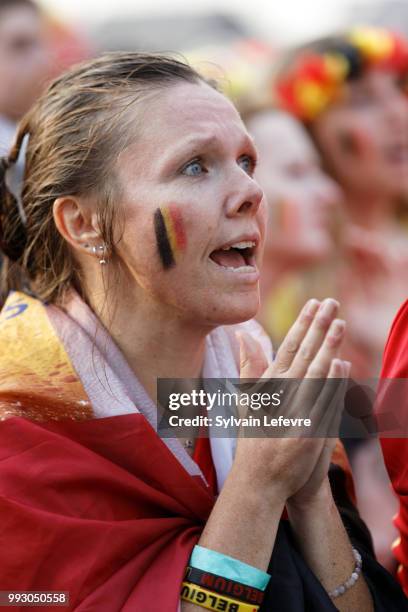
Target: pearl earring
[[102, 249]]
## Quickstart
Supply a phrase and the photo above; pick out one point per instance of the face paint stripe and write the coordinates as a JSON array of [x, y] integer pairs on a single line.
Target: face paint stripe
[[162, 239], [178, 226], [169, 230], [355, 142]]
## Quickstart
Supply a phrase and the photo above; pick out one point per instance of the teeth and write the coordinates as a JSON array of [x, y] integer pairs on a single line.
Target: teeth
[[240, 245], [241, 269]]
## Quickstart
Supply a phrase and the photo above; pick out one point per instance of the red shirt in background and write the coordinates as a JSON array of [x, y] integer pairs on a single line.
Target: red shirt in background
[[395, 365]]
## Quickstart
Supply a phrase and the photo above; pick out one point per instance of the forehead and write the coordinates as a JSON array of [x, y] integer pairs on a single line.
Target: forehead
[[281, 139], [186, 110], [374, 81], [14, 19], [176, 122]]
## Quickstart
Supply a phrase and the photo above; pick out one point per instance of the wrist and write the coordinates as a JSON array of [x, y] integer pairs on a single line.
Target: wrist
[[320, 500], [270, 495]]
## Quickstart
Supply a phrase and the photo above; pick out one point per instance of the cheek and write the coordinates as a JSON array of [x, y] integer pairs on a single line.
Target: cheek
[[287, 218], [356, 143], [287, 210]]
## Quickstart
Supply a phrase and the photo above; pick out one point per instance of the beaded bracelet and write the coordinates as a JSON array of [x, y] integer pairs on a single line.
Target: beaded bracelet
[[340, 590]]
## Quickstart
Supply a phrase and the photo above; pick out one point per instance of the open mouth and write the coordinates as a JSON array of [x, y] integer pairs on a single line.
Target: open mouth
[[237, 256]]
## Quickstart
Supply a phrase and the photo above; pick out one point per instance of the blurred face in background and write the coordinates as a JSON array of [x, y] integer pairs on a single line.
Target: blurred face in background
[[24, 62], [302, 199], [364, 137]]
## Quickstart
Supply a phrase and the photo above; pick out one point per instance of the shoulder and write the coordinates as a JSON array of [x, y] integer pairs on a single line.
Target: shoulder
[[37, 379]]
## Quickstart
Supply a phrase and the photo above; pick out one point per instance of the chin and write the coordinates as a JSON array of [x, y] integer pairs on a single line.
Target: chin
[[236, 310]]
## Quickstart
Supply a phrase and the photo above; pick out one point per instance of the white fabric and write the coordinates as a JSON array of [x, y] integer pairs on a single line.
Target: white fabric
[[222, 361], [114, 389], [7, 135]]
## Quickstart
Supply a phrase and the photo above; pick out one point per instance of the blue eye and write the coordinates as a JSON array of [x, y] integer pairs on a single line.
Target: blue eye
[[194, 168], [247, 163]]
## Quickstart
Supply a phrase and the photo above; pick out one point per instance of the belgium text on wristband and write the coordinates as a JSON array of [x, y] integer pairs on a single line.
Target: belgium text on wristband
[[34, 598], [212, 601], [224, 586]]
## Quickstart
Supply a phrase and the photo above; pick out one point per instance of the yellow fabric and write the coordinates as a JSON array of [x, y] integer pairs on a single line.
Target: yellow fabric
[[211, 601], [37, 379]]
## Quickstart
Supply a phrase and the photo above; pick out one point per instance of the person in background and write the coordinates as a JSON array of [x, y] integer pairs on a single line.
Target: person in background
[[303, 203], [350, 93], [392, 396], [24, 63]]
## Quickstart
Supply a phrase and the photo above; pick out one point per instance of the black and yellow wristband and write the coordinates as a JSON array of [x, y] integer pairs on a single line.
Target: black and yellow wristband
[[213, 601], [224, 586]]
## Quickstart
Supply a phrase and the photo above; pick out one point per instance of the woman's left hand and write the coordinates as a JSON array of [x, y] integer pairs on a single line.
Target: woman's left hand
[[316, 487]]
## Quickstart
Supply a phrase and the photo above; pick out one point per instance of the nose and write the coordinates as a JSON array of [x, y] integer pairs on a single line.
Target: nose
[[245, 196]]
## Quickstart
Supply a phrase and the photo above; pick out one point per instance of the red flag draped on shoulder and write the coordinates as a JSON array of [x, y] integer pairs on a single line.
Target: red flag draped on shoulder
[[97, 507], [395, 366]]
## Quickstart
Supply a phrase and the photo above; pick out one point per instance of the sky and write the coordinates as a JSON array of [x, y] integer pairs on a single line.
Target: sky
[[286, 20]]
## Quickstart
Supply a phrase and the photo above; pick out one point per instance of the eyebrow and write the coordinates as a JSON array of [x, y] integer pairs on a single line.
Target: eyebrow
[[191, 145]]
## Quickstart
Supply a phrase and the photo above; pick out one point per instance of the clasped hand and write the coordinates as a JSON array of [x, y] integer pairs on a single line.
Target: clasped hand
[[289, 468]]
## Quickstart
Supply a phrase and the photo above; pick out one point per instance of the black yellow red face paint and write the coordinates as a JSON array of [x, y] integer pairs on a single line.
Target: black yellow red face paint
[[170, 234], [354, 142], [286, 216]]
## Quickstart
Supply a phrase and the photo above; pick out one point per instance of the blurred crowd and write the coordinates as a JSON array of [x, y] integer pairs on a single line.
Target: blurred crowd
[[330, 122]]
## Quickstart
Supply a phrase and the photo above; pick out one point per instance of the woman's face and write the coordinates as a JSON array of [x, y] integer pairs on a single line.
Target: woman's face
[[188, 197], [364, 137], [302, 199]]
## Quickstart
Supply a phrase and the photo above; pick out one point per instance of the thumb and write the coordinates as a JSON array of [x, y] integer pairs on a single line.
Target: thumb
[[253, 361]]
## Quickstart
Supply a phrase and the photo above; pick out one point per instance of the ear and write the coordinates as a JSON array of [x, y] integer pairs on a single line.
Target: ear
[[76, 221]]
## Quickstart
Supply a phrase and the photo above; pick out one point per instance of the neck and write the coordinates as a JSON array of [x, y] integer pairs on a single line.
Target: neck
[[371, 212], [156, 341]]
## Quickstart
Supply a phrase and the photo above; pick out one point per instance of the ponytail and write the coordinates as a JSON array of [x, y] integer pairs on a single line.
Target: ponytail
[[13, 234]]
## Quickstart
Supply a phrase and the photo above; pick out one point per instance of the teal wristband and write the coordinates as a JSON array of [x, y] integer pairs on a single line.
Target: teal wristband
[[227, 567]]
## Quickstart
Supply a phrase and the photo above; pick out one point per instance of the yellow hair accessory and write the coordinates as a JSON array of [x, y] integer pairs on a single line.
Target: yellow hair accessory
[[374, 43]]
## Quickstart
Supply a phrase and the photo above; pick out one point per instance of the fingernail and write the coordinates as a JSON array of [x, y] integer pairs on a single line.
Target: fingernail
[[312, 307], [328, 307], [347, 368], [337, 328], [243, 348]]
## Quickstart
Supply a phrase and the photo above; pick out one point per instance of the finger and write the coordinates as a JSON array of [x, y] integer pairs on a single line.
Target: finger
[[335, 425], [321, 364], [295, 336], [252, 358], [327, 411], [314, 396], [314, 339]]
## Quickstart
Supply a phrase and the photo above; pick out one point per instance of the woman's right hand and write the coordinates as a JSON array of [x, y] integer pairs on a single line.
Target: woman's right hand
[[282, 466]]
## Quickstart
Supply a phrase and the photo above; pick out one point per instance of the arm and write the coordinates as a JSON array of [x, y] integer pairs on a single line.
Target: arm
[[325, 546], [236, 526], [266, 472]]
